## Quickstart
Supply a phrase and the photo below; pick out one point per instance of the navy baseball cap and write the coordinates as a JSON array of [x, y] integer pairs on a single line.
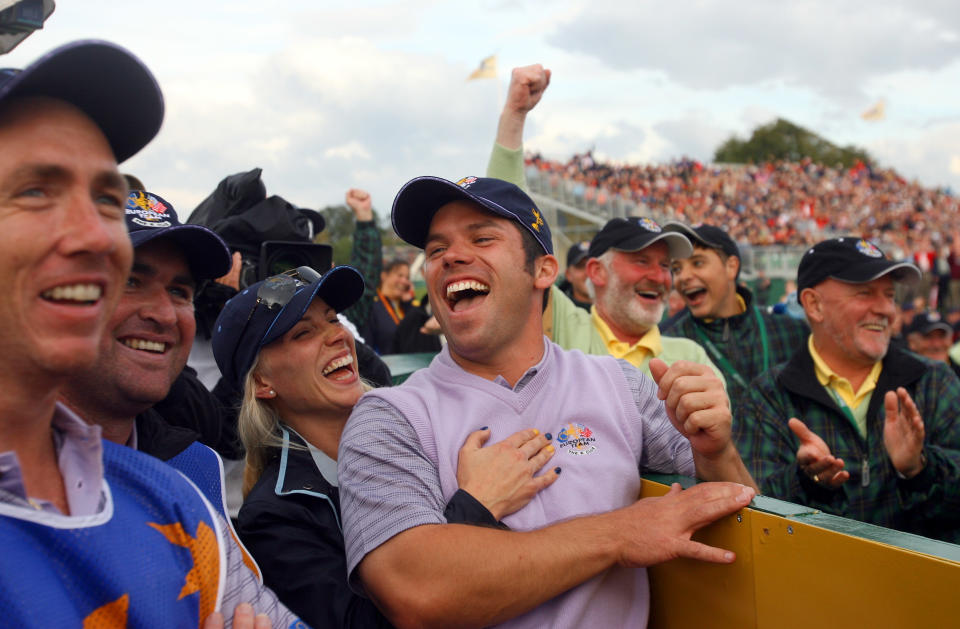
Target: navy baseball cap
[[253, 319], [105, 81], [708, 236], [577, 252], [927, 322], [850, 259], [420, 198], [636, 233], [149, 216]]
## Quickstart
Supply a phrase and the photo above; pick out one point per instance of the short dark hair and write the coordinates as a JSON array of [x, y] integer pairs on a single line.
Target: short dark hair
[[722, 254], [531, 249]]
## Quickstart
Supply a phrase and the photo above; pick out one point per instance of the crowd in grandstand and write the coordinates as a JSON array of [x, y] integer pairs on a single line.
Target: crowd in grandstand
[[789, 203]]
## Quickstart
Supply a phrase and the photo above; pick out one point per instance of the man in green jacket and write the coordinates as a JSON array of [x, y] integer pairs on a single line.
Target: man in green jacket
[[742, 340], [847, 425]]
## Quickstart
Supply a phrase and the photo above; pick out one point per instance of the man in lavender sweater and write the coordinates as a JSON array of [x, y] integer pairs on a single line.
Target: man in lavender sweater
[[575, 555]]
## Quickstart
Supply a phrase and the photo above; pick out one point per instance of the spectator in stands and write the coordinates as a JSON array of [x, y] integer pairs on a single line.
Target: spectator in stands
[[762, 288], [129, 528], [631, 287], [930, 336], [953, 316], [148, 339], [394, 294], [740, 338], [489, 262], [281, 342], [879, 439], [395, 301], [366, 254], [574, 284]]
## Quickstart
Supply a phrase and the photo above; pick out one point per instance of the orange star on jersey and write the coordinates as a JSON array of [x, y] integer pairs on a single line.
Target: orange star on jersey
[[113, 614], [204, 576]]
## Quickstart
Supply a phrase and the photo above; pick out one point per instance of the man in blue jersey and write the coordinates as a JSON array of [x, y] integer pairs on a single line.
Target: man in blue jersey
[[92, 532]]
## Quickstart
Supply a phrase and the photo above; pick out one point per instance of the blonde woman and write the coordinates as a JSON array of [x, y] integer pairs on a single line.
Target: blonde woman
[[280, 340]]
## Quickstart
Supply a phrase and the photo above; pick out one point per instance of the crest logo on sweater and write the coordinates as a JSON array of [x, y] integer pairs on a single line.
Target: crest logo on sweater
[[576, 439]]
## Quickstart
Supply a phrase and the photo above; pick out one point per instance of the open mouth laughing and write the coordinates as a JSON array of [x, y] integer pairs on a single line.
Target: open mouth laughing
[[694, 295], [465, 293], [650, 295], [876, 326], [339, 368]]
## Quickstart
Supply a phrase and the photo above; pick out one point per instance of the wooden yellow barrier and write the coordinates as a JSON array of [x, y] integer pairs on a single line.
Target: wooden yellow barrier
[[797, 568]]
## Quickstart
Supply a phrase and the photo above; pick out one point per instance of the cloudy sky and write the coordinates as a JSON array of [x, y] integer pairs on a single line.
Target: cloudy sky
[[326, 95]]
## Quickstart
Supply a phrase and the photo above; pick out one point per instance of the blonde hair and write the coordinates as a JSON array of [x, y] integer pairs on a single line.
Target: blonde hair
[[259, 426]]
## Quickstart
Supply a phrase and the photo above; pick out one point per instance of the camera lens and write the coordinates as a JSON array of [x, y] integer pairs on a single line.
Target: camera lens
[[286, 260]]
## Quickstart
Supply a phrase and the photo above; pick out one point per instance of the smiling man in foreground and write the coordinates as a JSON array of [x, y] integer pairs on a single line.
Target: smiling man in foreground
[[93, 534], [576, 552], [848, 425]]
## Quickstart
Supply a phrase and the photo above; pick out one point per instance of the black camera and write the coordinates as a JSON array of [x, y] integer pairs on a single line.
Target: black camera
[[277, 256], [20, 19]]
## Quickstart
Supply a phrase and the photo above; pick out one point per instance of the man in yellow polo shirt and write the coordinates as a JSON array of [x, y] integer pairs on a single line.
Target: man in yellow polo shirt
[[849, 425], [629, 273]]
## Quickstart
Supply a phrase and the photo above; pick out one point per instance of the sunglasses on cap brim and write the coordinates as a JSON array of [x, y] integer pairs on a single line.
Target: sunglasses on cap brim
[[276, 292]]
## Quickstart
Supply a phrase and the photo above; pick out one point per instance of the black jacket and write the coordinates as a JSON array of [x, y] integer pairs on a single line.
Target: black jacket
[[290, 523], [212, 416], [158, 438]]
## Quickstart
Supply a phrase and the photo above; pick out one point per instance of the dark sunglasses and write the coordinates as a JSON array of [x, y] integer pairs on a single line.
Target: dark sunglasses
[[276, 292]]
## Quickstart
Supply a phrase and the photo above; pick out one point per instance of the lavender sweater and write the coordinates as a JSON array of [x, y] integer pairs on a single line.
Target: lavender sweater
[[605, 420]]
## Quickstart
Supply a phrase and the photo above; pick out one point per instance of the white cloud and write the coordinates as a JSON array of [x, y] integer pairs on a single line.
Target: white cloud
[[830, 45], [929, 154], [326, 96], [349, 151]]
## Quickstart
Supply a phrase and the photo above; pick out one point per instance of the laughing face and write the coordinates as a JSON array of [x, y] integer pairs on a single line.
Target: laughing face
[[482, 292], [852, 322], [632, 289], [312, 369], [707, 282], [148, 340], [64, 249]]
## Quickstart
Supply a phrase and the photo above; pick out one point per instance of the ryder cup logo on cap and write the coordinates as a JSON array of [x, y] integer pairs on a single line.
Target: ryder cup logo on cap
[[649, 224], [466, 181], [148, 210], [867, 248], [854, 260], [636, 233]]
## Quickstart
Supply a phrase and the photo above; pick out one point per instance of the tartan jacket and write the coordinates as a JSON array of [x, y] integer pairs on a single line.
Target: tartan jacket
[[928, 504], [738, 338]]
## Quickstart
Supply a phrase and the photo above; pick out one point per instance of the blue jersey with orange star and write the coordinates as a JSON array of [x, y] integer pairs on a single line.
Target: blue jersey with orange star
[[152, 557]]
